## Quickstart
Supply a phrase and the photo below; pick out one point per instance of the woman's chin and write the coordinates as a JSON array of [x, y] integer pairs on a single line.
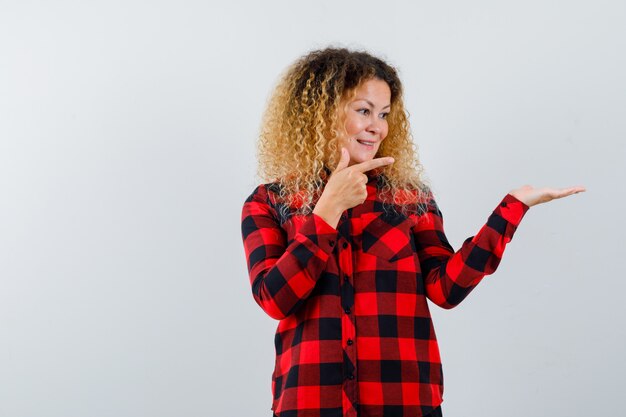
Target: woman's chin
[[357, 159]]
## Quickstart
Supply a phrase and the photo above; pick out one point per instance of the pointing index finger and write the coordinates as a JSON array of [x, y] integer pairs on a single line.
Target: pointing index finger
[[374, 163]]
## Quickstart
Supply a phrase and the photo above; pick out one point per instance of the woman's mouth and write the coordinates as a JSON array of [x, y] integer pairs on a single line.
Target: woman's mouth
[[367, 143]]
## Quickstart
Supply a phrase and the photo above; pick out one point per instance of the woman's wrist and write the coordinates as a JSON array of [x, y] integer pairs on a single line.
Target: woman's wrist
[[328, 212]]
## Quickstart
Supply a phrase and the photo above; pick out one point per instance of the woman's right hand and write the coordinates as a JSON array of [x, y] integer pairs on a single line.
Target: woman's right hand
[[346, 187]]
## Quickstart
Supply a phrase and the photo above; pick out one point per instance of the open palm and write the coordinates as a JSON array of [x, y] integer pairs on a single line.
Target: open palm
[[531, 196]]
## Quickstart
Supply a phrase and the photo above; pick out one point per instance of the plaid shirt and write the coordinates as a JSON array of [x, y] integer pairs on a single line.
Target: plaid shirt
[[355, 334]]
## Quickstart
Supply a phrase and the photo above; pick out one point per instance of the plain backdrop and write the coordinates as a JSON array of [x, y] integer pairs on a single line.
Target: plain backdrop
[[127, 148]]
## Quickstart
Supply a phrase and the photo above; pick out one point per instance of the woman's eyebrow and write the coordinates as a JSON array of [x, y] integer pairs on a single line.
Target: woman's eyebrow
[[372, 104]]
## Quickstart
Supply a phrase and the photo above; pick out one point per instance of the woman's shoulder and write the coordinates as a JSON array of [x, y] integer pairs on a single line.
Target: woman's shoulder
[[265, 192], [266, 198]]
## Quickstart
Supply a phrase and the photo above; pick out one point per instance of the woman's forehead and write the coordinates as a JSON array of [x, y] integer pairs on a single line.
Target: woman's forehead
[[372, 90]]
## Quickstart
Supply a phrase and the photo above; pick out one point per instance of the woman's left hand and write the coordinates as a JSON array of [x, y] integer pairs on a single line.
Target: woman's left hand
[[530, 195]]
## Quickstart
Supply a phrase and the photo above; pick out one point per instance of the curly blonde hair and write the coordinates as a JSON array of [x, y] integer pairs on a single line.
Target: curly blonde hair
[[299, 140]]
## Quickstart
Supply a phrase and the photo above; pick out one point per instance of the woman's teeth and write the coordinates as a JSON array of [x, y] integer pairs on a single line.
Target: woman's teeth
[[363, 142]]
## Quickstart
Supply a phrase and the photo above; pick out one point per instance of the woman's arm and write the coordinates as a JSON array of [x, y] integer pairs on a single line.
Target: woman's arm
[[282, 276], [450, 276]]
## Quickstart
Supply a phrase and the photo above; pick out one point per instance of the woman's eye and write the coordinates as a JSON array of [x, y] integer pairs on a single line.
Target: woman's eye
[[384, 115], [364, 112]]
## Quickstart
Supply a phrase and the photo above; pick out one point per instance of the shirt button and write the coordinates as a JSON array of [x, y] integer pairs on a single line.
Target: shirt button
[[503, 204], [347, 310], [350, 342], [350, 376], [345, 245], [331, 243]]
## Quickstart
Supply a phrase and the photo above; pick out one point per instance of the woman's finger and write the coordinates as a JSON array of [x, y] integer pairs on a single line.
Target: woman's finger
[[373, 163], [344, 161], [569, 191]]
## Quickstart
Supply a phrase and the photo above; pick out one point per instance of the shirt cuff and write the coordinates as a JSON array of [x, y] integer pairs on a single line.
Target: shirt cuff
[[512, 209], [318, 231]]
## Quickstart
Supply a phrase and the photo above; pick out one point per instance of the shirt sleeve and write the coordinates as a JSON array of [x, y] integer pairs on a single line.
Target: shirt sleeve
[[450, 276], [282, 276]]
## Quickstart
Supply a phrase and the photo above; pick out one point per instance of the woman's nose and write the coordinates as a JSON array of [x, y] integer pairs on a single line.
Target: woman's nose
[[375, 125]]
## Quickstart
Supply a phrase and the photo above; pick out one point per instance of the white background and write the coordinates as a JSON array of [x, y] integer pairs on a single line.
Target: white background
[[127, 148]]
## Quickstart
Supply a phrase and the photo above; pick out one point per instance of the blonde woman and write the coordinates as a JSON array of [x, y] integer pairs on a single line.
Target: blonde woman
[[345, 242]]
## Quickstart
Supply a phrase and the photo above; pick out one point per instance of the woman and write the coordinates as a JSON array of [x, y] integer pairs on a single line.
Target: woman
[[345, 243]]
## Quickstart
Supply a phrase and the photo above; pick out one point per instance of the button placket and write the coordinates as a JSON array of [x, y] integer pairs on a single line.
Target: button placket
[[348, 330]]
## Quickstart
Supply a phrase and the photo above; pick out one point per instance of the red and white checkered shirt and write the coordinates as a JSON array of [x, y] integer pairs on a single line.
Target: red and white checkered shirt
[[354, 331]]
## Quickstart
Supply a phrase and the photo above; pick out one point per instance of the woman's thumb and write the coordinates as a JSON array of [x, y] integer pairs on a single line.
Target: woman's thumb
[[344, 160]]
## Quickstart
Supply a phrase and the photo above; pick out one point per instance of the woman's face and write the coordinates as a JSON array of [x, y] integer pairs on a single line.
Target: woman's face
[[365, 120]]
